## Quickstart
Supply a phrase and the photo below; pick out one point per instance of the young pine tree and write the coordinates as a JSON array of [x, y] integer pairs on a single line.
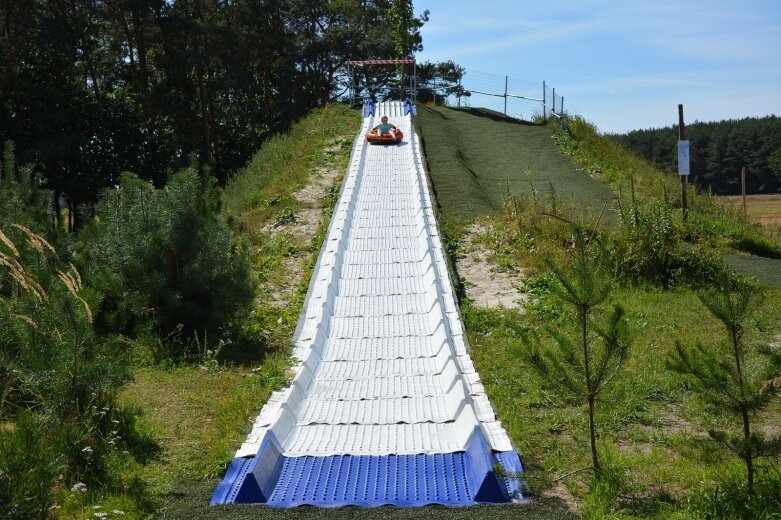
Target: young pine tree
[[730, 375], [582, 364]]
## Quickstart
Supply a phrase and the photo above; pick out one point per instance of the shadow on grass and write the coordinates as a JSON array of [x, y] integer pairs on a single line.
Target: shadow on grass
[[244, 353], [142, 446], [650, 505], [191, 501]]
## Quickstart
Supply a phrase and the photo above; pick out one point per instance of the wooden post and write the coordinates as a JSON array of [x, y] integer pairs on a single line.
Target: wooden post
[[684, 178], [743, 189]]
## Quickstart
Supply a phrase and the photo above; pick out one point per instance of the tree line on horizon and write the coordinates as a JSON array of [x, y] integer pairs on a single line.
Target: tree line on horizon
[[718, 152], [92, 88]]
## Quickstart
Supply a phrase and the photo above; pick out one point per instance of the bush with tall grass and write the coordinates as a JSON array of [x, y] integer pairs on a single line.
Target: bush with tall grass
[[58, 378], [651, 246], [165, 261]]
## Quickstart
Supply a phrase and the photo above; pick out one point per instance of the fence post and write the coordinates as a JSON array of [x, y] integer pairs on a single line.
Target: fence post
[[743, 190], [554, 100], [561, 111], [506, 78], [684, 178], [544, 115]]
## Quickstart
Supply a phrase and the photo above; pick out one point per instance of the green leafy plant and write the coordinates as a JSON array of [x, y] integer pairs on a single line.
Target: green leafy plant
[[165, 259], [726, 374], [284, 217], [581, 365]]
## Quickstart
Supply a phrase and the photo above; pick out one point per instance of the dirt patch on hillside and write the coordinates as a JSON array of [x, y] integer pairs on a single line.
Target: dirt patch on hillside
[[303, 224], [484, 283], [559, 491]]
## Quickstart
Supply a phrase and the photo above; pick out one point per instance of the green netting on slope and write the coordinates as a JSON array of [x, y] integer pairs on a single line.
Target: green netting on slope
[[474, 156]]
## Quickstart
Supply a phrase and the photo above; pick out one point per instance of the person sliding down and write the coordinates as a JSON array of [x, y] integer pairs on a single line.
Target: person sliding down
[[385, 128]]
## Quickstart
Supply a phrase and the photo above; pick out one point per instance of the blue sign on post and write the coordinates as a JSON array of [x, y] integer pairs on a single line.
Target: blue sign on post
[[683, 157]]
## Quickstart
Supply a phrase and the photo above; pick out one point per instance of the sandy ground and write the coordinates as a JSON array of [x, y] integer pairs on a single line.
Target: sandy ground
[[484, 283], [313, 197]]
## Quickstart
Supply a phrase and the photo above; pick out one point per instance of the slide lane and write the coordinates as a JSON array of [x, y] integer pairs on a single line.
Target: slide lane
[[385, 406]]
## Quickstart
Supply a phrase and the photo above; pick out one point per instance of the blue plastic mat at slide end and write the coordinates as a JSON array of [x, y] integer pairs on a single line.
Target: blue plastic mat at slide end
[[453, 479]]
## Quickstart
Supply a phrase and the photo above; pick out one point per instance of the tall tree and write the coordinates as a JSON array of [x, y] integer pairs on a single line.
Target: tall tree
[[92, 88]]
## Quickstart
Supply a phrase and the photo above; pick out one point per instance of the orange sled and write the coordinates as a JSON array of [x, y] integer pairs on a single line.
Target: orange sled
[[392, 137]]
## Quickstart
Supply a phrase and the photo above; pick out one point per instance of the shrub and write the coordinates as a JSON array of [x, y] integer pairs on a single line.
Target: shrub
[[165, 260], [728, 375], [59, 379], [651, 247], [29, 466]]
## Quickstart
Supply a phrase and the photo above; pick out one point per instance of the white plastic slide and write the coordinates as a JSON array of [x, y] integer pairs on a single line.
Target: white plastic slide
[[383, 367]]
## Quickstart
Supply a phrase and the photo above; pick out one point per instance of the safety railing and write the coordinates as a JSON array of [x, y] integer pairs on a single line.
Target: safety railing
[[519, 99]]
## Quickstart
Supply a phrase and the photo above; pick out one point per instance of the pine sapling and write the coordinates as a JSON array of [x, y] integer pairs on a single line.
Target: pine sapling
[[727, 374], [583, 364]]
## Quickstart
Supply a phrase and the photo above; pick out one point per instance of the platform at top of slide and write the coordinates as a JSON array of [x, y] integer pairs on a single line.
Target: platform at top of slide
[[385, 406]]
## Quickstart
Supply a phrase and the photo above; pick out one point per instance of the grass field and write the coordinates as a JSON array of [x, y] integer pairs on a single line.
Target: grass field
[[764, 209], [475, 157]]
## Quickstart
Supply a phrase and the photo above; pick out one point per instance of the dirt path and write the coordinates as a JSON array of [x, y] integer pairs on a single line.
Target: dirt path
[[313, 197], [484, 283]]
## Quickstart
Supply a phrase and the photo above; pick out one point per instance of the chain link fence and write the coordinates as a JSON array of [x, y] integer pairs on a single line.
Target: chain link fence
[[520, 99]]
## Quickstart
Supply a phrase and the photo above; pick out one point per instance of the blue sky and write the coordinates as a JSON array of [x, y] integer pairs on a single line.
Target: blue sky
[[622, 65]]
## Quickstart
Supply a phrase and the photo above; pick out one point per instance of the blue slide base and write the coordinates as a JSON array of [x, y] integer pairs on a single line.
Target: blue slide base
[[451, 479]]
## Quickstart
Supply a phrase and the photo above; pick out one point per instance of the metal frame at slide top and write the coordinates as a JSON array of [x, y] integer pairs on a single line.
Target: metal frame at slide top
[[385, 406]]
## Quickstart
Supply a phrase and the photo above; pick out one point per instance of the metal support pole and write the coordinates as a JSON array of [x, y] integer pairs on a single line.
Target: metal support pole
[[554, 100], [415, 80], [506, 78], [544, 115], [561, 111], [459, 92]]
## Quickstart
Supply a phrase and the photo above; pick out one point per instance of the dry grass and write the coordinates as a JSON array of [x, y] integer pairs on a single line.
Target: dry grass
[[763, 209]]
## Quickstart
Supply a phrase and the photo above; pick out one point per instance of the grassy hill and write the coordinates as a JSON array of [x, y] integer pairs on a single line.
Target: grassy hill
[[652, 427], [476, 157]]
